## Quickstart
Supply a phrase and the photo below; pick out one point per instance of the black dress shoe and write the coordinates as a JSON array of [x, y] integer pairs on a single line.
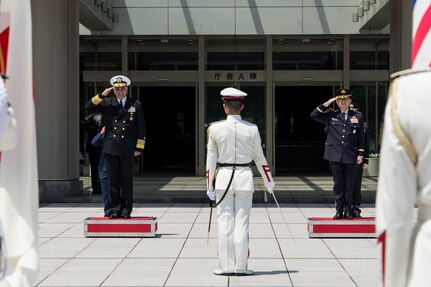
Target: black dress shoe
[[357, 213], [126, 215], [338, 215], [349, 215], [114, 215]]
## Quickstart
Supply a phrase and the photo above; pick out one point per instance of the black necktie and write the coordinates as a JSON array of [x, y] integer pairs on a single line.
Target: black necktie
[[344, 115]]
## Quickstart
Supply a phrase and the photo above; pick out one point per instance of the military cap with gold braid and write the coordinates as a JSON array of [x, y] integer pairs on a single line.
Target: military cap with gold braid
[[343, 93], [120, 81]]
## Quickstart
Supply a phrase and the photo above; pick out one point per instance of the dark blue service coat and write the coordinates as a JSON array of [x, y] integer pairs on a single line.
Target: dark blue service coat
[[345, 139]]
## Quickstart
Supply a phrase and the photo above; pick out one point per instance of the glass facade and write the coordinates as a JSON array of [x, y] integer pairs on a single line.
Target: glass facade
[[305, 61], [254, 106], [153, 61], [308, 54], [297, 140], [100, 54], [369, 54], [370, 99], [235, 61], [162, 54]]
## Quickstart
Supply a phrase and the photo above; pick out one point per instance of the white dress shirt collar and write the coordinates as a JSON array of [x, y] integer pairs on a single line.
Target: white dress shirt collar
[[122, 102], [233, 117]]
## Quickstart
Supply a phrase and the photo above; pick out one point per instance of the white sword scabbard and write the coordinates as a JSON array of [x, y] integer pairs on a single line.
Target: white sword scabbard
[[282, 215]]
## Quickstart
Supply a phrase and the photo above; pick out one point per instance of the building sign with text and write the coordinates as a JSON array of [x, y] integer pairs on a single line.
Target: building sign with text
[[238, 76]]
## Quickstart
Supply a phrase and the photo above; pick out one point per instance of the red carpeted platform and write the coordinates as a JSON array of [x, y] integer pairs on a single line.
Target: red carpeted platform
[[133, 227], [328, 227]]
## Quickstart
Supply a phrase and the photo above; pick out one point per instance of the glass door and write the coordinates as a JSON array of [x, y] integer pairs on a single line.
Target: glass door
[[299, 140], [254, 106]]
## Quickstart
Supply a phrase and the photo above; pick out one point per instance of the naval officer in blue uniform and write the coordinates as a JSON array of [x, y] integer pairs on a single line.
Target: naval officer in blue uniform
[[344, 147], [124, 139]]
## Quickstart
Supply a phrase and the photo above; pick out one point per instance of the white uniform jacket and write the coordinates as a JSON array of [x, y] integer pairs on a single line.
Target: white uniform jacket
[[405, 180], [234, 141]]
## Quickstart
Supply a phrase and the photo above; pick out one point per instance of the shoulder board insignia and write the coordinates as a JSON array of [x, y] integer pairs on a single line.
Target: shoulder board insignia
[[408, 72], [217, 122]]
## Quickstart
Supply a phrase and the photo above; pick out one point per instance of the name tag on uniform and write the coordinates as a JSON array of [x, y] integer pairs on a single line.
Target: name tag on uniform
[[132, 109], [354, 120], [334, 119]]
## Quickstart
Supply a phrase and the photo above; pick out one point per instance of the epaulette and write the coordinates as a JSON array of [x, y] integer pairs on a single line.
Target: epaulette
[[408, 72], [216, 122]]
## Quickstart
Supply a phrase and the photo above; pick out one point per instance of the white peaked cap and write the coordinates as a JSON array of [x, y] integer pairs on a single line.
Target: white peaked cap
[[120, 81], [233, 93]]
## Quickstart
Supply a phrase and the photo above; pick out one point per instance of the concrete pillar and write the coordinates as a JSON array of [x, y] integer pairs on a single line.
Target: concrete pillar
[[201, 140], [401, 35], [269, 104], [56, 93], [346, 61]]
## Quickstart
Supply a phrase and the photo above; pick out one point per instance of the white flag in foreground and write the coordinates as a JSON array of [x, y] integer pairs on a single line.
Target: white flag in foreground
[[19, 194], [421, 42]]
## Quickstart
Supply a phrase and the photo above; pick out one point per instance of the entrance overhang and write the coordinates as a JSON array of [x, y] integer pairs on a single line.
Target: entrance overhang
[[378, 17], [95, 15], [143, 76]]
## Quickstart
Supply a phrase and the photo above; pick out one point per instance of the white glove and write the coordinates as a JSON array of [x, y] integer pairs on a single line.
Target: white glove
[[211, 194], [269, 186]]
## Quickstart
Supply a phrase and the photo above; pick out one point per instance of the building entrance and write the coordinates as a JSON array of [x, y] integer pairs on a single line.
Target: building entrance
[[170, 121], [299, 140]]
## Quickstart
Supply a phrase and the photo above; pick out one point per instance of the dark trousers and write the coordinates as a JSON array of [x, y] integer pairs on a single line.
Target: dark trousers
[[94, 157], [104, 185], [343, 175], [357, 186], [120, 175]]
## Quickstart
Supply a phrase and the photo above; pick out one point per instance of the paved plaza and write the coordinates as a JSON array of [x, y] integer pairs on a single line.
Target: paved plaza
[[179, 255]]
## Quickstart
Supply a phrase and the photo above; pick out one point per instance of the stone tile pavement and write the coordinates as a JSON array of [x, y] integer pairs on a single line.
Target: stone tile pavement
[[179, 256], [183, 189]]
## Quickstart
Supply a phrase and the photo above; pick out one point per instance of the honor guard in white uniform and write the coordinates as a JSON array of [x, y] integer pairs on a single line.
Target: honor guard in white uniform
[[232, 145], [405, 182]]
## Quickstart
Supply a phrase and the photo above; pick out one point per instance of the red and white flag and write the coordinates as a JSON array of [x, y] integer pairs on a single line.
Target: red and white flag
[[421, 43], [19, 193]]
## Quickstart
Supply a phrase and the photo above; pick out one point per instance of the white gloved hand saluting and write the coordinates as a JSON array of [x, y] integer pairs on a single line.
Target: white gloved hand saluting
[[269, 186], [211, 194]]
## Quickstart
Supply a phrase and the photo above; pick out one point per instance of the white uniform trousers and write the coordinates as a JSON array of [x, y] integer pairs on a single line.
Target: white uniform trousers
[[233, 229]]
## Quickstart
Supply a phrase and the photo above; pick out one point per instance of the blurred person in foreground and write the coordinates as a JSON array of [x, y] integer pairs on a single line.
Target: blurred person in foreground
[[404, 243], [8, 140]]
